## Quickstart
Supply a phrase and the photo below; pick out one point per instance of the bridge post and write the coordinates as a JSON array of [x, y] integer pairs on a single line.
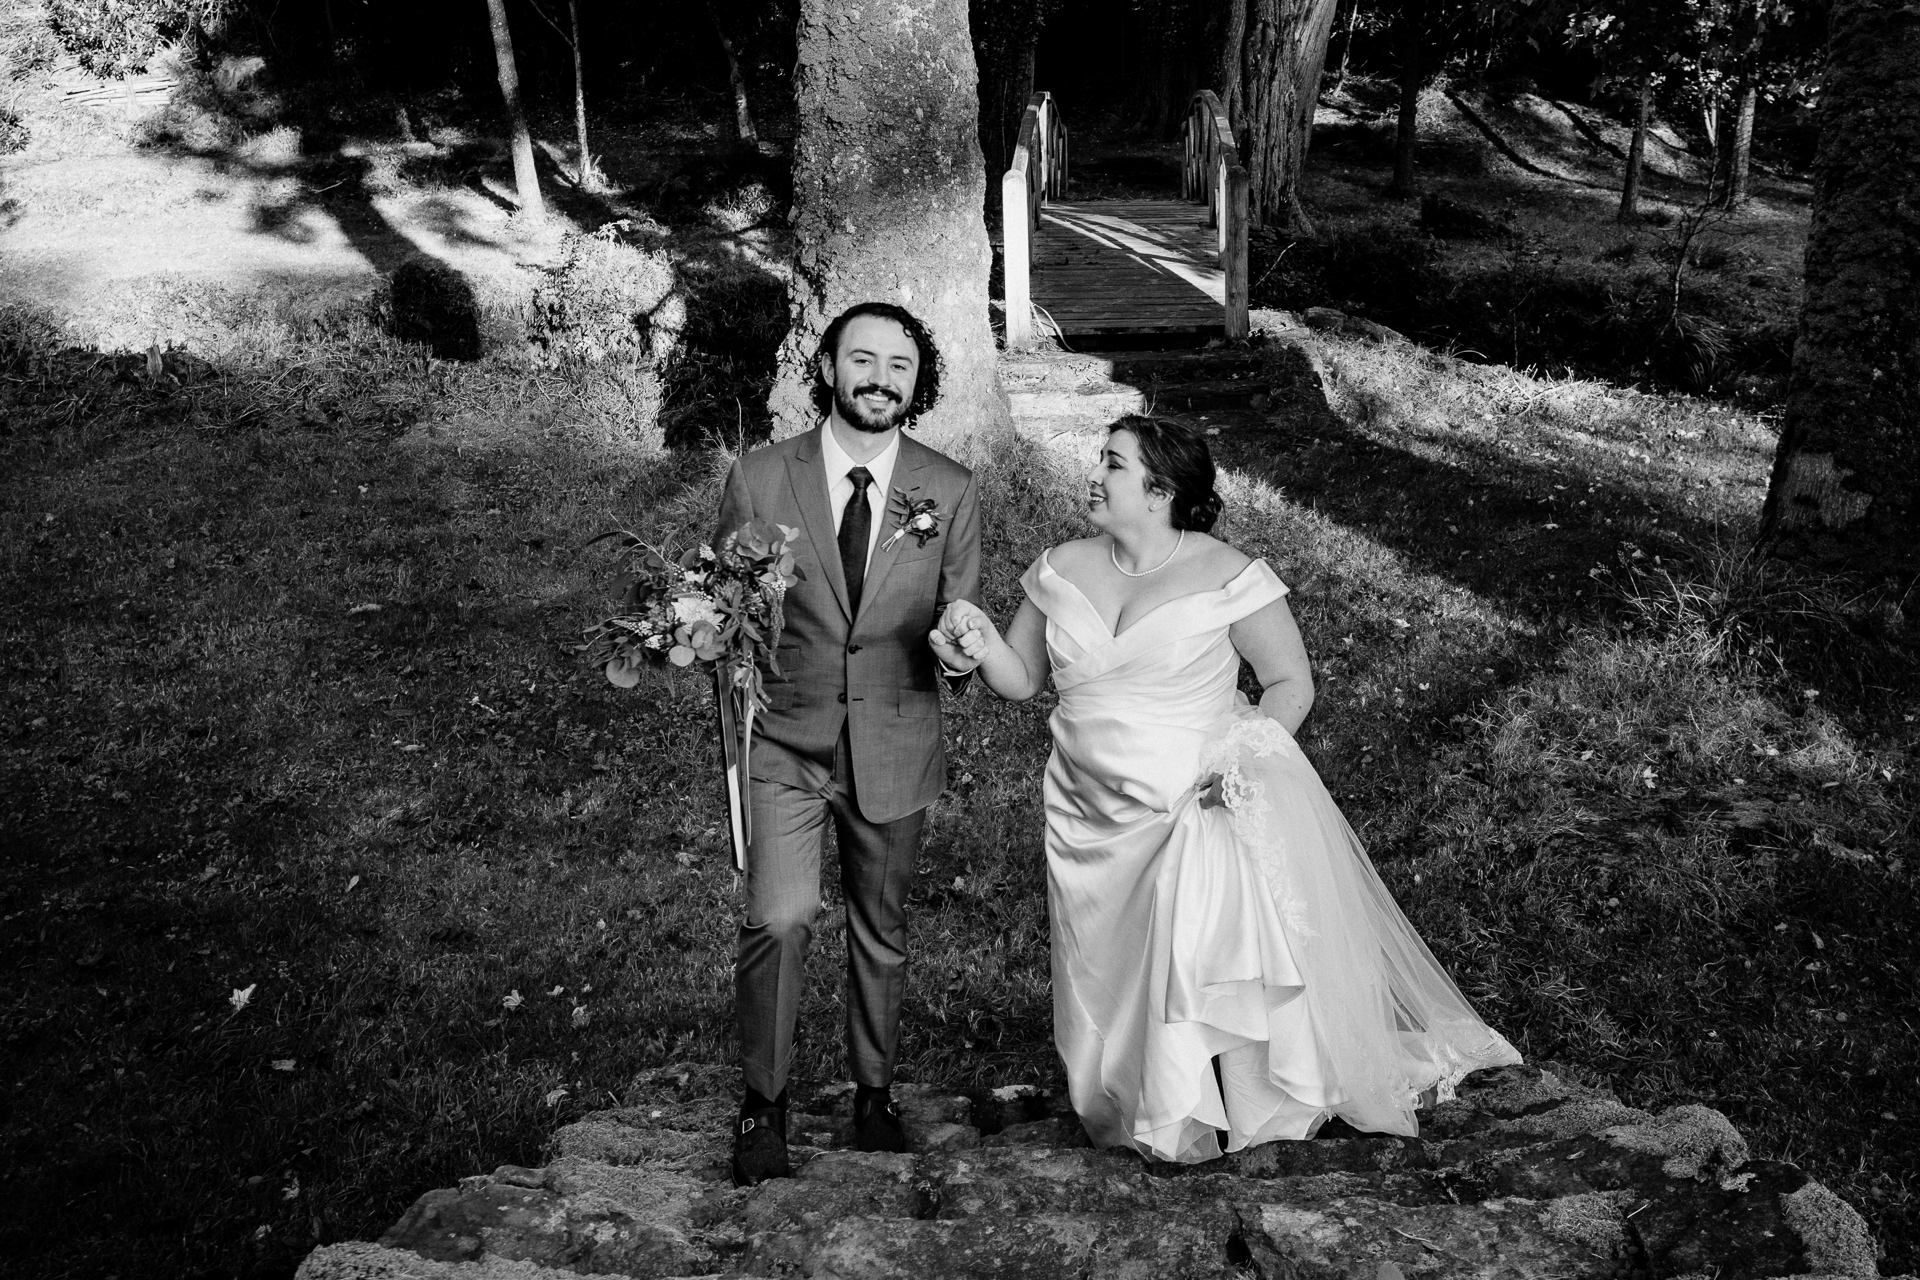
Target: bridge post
[[1016, 257], [1233, 254], [1217, 200]]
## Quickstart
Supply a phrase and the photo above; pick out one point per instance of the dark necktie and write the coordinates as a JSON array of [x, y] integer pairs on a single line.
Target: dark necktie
[[856, 527]]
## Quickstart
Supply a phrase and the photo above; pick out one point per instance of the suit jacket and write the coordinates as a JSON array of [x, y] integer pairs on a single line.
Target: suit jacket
[[875, 673]]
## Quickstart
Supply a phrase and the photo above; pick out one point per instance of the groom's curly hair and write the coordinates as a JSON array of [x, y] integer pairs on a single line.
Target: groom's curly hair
[[926, 384], [1178, 463]]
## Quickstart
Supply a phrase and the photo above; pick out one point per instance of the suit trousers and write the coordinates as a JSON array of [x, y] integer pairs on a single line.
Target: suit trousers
[[790, 812]]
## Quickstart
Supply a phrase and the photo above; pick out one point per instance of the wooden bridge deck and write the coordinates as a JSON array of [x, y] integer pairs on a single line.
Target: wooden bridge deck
[[1128, 266]]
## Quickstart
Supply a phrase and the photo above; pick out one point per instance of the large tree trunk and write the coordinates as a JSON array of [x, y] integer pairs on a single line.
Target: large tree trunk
[[1846, 478], [1226, 63], [743, 128], [525, 180], [887, 189], [1407, 38], [1284, 52], [1629, 212]]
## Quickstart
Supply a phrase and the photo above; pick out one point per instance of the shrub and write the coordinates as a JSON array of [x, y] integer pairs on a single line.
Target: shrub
[[607, 301], [33, 49], [14, 133], [117, 38]]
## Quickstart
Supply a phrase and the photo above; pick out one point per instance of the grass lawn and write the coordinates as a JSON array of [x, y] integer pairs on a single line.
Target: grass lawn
[[332, 875]]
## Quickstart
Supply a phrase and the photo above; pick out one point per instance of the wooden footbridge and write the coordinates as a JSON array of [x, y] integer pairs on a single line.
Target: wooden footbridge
[[1125, 267]]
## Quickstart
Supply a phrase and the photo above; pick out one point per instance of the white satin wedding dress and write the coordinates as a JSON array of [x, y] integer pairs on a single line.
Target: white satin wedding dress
[[1256, 932]]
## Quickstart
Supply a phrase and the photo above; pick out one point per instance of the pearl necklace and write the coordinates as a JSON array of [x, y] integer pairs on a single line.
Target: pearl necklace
[[1113, 554]]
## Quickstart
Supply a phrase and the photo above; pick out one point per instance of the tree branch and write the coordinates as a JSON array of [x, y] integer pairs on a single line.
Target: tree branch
[[534, 5]]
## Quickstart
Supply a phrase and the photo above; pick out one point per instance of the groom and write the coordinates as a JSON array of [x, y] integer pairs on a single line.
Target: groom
[[890, 534]]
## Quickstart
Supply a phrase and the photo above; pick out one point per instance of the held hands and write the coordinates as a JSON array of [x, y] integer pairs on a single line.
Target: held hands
[[963, 636]]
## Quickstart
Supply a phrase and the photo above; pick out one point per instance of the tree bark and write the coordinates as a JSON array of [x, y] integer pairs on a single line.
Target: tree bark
[[1846, 477], [1284, 53], [587, 176], [1226, 63], [888, 184], [743, 128], [1408, 38], [1739, 149], [1629, 212], [525, 180]]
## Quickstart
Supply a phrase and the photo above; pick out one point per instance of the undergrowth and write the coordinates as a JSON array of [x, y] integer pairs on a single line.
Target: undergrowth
[[1611, 317]]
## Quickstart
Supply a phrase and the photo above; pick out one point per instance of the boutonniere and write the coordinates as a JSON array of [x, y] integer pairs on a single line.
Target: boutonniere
[[917, 516]]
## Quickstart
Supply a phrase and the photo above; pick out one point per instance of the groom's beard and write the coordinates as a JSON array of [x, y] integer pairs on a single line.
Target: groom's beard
[[859, 417]]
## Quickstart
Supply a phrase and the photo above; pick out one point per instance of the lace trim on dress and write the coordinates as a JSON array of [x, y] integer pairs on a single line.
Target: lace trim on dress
[[1247, 807]]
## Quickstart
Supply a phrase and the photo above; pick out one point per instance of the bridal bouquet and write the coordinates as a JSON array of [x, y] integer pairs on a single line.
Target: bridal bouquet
[[720, 608]]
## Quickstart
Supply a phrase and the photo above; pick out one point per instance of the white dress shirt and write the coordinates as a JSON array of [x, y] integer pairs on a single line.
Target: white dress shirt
[[839, 488]]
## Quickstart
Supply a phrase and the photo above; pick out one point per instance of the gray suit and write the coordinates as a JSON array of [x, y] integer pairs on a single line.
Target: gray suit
[[854, 731]]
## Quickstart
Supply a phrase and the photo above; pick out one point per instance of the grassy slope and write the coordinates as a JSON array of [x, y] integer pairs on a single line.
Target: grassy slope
[[216, 774], [206, 745]]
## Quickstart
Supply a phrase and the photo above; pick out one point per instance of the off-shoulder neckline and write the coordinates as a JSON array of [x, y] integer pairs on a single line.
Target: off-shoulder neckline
[[1046, 563]]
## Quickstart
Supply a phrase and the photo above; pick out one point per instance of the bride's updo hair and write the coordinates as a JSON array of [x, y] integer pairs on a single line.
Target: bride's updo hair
[[1177, 463]]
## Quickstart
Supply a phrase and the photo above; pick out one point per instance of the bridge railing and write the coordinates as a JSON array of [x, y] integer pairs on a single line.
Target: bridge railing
[[1037, 174], [1212, 173]]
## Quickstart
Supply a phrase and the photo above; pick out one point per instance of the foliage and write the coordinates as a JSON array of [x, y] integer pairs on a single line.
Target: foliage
[[719, 606], [29, 47], [1706, 51], [607, 301], [117, 38]]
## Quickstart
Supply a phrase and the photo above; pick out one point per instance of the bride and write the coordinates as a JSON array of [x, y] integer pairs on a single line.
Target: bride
[[1226, 963]]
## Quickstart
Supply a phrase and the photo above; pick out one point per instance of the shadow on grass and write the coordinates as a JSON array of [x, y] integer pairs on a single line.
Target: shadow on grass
[[291, 709]]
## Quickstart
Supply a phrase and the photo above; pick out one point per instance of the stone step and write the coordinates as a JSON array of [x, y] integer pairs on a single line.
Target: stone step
[[1209, 421], [1277, 384], [1072, 368], [1521, 1174], [1162, 398], [1108, 386]]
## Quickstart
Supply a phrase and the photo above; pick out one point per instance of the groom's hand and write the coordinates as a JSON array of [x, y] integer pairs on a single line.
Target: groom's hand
[[952, 657], [960, 641]]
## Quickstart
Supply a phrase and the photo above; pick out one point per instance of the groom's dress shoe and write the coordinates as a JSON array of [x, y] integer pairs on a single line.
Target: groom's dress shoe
[[876, 1125], [760, 1143]]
